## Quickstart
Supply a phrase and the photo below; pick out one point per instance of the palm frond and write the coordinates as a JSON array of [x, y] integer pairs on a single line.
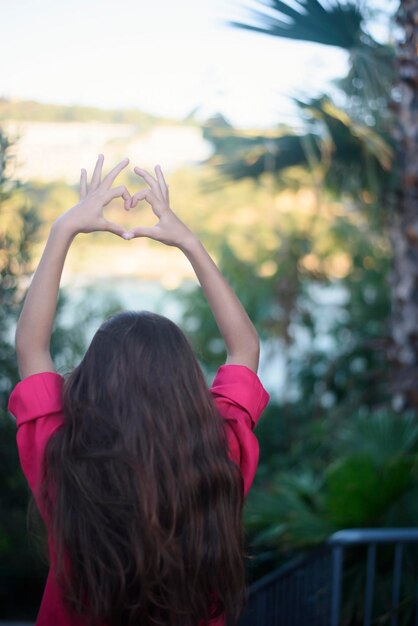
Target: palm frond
[[382, 436], [369, 81], [374, 143], [371, 72], [239, 154], [360, 156], [339, 25]]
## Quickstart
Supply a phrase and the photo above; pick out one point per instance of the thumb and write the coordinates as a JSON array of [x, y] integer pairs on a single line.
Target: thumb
[[145, 231], [116, 229]]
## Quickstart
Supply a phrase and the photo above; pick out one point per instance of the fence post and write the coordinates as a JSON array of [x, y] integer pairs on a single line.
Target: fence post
[[337, 568]]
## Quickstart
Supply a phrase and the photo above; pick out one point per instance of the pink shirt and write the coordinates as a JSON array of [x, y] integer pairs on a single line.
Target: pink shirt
[[36, 403]]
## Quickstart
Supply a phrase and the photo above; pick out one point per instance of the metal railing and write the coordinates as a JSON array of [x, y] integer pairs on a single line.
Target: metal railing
[[358, 577]]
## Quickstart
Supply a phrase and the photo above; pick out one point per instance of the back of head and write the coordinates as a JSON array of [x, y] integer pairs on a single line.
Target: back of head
[[147, 503]]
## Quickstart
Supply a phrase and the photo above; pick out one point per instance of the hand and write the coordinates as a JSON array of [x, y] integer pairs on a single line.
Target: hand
[[169, 229], [87, 216]]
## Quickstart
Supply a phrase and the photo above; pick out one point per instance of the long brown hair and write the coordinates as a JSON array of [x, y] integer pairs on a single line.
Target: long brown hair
[[147, 504]]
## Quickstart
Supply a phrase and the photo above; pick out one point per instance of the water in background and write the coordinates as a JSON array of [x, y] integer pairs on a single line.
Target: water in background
[[136, 294]]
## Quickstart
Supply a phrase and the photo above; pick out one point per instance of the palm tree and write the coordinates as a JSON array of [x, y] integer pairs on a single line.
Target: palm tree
[[404, 222], [354, 145], [351, 145], [351, 156]]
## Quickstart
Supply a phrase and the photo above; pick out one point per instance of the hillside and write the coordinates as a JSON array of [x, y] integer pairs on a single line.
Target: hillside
[[52, 142], [30, 110]]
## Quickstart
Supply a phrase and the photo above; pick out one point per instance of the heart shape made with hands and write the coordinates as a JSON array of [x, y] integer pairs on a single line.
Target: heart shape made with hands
[[128, 223], [156, 194]]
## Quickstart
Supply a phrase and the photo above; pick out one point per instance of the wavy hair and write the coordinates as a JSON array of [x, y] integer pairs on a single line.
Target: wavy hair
[[145, 505]]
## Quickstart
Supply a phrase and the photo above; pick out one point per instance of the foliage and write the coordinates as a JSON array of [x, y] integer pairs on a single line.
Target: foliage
[[349, 156], [345, 140], [336, 368], [342, 25], [368, 477], [331, 453], [338, 25], [348, 150], [322, 255], [14, 254]]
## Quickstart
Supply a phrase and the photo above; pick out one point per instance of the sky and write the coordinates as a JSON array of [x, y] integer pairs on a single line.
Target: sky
[[166, 57]]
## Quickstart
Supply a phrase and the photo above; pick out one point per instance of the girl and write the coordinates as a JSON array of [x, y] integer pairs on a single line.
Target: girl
[[139, 471]]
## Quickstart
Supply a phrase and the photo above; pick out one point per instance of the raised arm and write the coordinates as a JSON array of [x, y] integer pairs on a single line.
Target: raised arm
[[34, 327], [240, 336]]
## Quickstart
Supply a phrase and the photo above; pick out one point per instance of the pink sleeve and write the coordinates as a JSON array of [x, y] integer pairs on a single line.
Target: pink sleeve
[[240, 398], [36, 403]]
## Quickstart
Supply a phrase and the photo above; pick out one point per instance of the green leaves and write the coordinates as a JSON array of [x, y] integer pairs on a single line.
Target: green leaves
[[381, 437], [347, 153], [288, 513], [371, 480], [358, 491], [362, 487], [348, 144], [371, 72], [367, 138], [339, 25]]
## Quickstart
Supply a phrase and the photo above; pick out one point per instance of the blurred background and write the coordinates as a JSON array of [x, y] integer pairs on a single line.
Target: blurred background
[[272, 124]]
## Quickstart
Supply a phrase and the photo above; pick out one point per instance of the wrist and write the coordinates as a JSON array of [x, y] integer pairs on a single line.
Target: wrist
[[64, 227], [189, 243]]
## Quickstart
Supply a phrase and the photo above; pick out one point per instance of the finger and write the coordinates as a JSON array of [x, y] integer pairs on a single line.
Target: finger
[[161, 181], [83, 183], [117, 192], [144, 194], [97, 174], [145, 231], [149, 179], [109, 179]]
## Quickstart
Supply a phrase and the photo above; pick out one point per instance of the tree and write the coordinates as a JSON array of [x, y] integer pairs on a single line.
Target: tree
[[365, 147], [18, 227], [404, 222]]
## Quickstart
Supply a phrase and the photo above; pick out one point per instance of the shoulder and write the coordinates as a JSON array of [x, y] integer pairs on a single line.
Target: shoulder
[[36, 403], [36, 396], [240, 399], [237, 389]]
